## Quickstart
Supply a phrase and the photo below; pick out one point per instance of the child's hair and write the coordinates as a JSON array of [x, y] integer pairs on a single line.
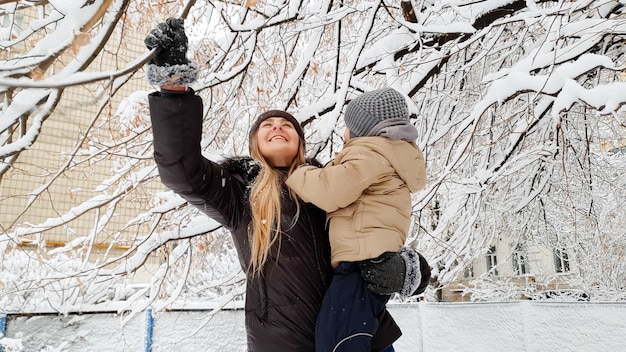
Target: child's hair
[[265, 202]]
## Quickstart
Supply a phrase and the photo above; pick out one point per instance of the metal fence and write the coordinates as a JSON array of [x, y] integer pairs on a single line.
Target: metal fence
[[179, 331]]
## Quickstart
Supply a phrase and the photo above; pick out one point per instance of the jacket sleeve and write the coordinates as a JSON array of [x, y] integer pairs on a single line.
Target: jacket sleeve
[[177, 130], [340, 182]]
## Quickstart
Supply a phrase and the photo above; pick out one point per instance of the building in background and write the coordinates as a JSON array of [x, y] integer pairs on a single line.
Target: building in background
[[48, 186], [517, 271]]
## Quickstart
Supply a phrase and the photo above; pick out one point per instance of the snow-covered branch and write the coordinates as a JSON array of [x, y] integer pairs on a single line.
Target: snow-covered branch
[[519, 105]]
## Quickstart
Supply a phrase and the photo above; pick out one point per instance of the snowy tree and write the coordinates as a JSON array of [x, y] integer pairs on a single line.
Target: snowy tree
[[519, 105]]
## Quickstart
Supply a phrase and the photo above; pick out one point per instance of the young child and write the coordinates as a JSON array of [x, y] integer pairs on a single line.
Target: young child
[[366, 192]]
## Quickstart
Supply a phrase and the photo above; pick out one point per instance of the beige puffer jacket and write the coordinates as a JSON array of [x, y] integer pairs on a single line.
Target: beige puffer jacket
[[366, 192]]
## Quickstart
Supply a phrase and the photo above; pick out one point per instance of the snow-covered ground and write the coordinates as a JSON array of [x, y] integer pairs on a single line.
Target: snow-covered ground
[[472, 327]]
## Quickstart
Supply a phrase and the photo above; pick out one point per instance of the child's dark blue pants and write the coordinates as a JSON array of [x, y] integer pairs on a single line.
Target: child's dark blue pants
[[349, 315]]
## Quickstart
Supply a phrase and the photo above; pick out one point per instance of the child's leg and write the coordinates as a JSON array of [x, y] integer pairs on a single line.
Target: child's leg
[[349, 315]]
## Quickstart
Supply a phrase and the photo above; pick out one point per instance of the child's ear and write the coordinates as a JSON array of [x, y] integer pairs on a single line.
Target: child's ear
[[346, 134]]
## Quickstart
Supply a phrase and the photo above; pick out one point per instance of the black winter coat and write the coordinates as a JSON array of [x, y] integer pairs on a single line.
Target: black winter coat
[[283, 302]]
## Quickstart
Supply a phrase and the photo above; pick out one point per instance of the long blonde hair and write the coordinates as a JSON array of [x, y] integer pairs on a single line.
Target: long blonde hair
[[265, 204]]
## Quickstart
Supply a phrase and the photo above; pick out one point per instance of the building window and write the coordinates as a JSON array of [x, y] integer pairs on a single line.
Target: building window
[[561, 260], [492, 261], [468, 273], [14, 25], [519, 261]]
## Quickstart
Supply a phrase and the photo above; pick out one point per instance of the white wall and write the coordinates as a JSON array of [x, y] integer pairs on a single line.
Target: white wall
[[523, 326]]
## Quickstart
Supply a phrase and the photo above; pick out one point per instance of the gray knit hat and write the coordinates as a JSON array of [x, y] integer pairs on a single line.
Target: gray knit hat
[[371, 108]]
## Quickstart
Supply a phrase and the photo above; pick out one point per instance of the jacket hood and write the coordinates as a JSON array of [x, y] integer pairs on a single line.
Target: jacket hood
[[245, 166], [405, 157], [249, 168]]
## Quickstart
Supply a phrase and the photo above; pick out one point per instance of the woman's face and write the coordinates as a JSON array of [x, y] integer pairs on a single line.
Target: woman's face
[[278, 141]]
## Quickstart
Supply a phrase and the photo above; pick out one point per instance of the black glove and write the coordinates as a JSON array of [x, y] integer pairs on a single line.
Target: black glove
[[170, 66], [405, 272], [384, 275], [425, 275], [170, 37]]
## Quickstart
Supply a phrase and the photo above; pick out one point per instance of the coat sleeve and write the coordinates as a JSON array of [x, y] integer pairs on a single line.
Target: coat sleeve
[[340, 182], [177, 130]]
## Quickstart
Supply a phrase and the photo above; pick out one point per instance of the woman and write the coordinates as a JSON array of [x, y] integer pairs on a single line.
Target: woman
[[281, 241]]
